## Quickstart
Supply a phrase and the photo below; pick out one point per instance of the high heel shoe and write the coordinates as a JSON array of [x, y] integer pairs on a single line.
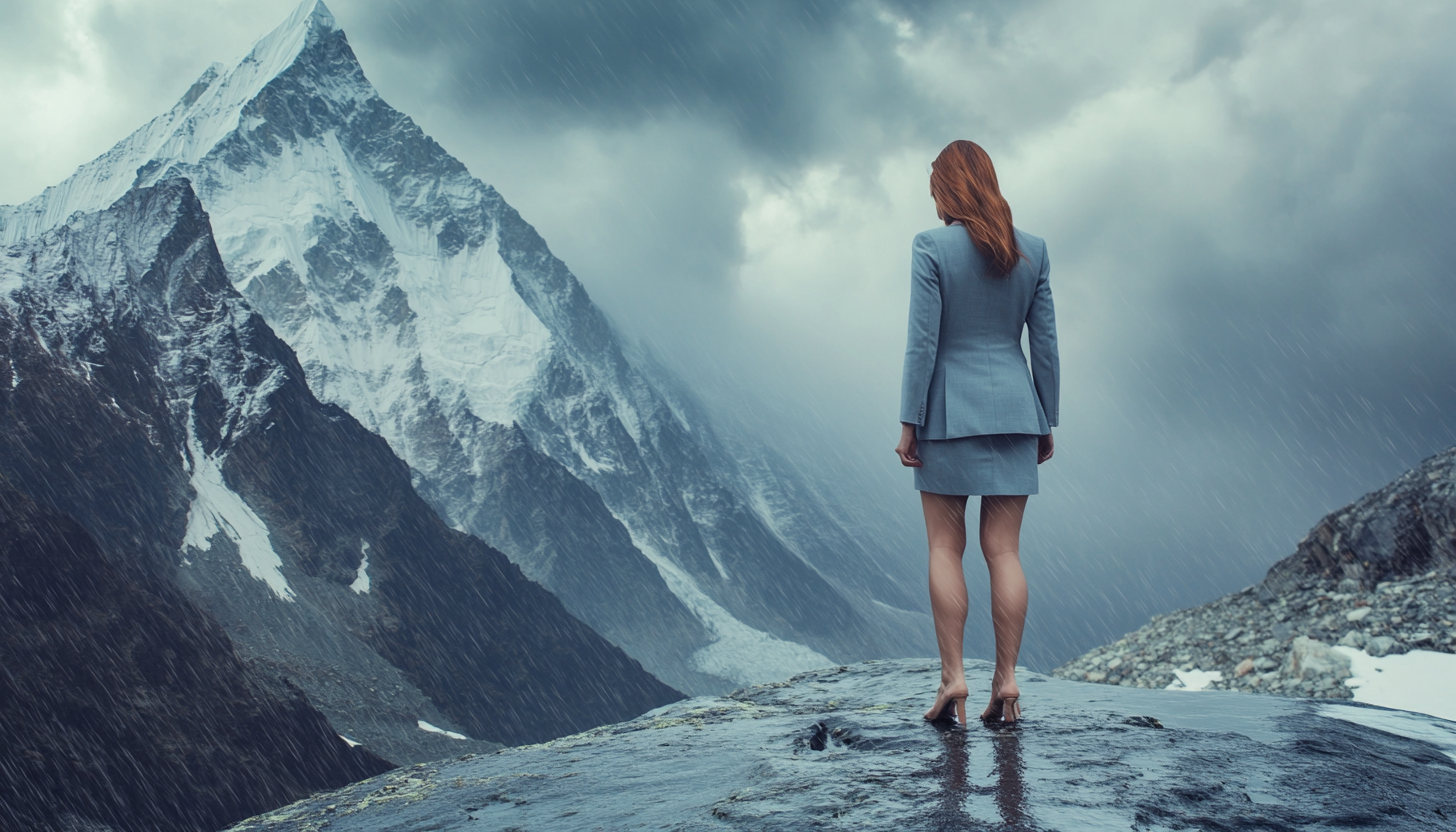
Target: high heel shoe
[[1000, 710], [953, 709]]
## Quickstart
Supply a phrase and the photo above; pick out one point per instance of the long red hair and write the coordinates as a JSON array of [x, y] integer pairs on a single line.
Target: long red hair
[[963, 184]]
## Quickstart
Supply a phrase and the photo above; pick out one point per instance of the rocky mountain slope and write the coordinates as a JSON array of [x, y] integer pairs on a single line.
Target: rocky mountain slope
[[147, 401], [845, 748], [122, 704], [422, 304], [1379, 575]]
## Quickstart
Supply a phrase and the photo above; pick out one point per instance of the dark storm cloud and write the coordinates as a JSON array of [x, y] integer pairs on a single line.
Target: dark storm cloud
[[1331, 324], [760, 67]]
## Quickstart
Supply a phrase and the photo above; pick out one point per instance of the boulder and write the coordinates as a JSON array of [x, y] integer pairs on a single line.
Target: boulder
[[1382, 646], [1314, 660], [1353, 638]]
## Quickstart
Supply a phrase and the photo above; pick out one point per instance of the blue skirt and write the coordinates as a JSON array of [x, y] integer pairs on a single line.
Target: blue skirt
[[998, 463]]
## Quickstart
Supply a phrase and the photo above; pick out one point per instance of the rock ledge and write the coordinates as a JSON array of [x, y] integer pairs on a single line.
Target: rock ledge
[[845, 748]]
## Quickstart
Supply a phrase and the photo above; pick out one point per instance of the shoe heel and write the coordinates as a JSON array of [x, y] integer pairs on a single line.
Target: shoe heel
[[1011, 706]]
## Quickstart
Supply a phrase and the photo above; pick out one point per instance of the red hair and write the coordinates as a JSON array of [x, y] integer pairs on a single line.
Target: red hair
[[963, 184]]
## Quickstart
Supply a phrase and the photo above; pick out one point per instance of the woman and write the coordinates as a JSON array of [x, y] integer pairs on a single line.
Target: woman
[[974, 420]]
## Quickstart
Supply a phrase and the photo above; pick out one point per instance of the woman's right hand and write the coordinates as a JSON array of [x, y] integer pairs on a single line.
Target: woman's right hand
[[909, 448], [1044, 447]]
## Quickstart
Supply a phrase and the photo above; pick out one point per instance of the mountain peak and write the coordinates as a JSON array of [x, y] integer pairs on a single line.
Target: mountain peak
[[280, 47], [308, 16], [320, 16], [206, 114]]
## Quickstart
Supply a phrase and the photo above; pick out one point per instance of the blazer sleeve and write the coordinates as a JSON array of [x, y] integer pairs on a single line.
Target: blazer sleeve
[[924, 336], [1041, 329]]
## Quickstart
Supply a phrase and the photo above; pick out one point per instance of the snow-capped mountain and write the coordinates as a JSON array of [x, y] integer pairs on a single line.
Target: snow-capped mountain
[[420, 302], [149, 402]]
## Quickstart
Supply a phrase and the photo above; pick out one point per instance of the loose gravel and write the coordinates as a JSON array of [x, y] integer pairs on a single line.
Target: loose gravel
[[1280, 644]]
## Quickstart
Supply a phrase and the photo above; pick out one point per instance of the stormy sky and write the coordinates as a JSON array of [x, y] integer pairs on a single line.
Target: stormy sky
[[1248, 209]]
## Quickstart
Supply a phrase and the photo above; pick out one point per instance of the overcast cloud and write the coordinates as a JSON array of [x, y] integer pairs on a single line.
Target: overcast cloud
[[1247, 207]]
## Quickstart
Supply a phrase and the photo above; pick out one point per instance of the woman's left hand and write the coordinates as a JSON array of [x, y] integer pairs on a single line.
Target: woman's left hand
[[908, 449]]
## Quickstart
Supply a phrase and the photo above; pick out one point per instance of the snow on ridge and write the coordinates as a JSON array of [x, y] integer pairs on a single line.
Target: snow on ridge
[[739, 653], [218, 509], [425, 726], [361, 575], [474, 336]]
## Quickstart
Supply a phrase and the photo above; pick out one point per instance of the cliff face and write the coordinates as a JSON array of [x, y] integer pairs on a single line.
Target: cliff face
[[846, 748], [1404, 529], [122, 704]]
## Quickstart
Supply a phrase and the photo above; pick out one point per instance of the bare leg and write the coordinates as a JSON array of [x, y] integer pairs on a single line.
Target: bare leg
[[945, 529], [1001, 546]]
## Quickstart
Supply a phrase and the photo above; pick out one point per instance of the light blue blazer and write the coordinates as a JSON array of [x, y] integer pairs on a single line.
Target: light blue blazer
[[965, 374]]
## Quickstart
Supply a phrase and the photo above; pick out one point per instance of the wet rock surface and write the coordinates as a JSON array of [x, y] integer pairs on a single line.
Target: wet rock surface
[[1377, 575], [845, 748]]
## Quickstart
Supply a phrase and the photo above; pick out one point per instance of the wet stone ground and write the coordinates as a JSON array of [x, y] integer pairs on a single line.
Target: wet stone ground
[[1262, 643], [845, 748]]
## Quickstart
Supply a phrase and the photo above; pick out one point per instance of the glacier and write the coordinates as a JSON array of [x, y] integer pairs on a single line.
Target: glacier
[[422, 304]]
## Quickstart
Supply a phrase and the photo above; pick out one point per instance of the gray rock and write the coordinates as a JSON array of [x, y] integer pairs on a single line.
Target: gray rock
[[846, 749], [1353, 638], [1381, 646], [1265, 594], [1310, 659]]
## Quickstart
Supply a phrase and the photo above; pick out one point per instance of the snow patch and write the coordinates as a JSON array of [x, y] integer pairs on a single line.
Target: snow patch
[[1420, 681], [361, 577], [739, 653], [219, 509], [473, 334], [425, 726], [592, 464], [1399, 723], [351, 743], [1195, 679]]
